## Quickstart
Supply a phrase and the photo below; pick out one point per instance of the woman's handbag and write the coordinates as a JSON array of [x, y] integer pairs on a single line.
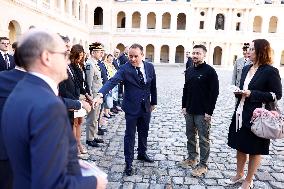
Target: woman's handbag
[[268, 124]]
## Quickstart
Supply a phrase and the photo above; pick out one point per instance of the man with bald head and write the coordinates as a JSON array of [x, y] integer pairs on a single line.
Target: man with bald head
[[40, 145]]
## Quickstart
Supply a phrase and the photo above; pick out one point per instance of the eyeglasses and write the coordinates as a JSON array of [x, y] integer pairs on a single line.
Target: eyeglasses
[[65, 54], [5, 43]]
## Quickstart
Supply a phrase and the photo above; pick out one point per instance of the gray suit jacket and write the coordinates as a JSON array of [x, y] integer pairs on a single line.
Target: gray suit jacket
[[237, 72]]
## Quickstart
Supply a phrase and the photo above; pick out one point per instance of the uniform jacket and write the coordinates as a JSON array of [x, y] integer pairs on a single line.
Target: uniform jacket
[[93, 74], [237, 72]]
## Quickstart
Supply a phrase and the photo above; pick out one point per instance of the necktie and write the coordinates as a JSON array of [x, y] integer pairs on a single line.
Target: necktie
[[140, 75], [7, 61]]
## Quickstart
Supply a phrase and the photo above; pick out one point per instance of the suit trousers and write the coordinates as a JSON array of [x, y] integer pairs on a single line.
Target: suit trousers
[[6, 176], [194, 124], [92, 123], [142, 122]]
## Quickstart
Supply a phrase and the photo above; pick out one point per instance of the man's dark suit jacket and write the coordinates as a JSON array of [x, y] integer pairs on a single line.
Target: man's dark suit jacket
[[104, 73], [3, 65], [8, 80], [134, 93], [189, 63], [40, 144], [116, 63], [123, 59]]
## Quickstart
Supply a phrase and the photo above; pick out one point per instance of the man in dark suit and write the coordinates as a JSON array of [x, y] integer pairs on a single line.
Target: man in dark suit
[[6, 60], [8, 81], [140, 99], [189, 62], [40, 144], [116, 61], [123, 58]]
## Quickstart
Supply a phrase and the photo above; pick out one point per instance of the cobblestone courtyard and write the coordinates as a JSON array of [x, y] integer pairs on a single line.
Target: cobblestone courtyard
[[167, 144]]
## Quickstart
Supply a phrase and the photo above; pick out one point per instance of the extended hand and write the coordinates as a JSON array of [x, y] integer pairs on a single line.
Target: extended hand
[[101, 182], [153, 107], [86, 106], [89, 99], [246, 93], [97, 101]]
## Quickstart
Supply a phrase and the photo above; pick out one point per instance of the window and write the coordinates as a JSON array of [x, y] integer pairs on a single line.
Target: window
[[238, 26], [201, 25]]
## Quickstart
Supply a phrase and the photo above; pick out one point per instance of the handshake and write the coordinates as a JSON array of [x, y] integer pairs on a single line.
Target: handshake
[[88, 103]]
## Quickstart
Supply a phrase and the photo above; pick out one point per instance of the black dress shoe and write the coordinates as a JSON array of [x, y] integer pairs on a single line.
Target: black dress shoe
[[92, 143], [128, 170], [103, 128], [100, 132], [98, 140], [145, 158]]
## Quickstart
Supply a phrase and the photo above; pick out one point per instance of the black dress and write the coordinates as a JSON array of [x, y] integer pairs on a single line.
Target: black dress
[[265, 80]]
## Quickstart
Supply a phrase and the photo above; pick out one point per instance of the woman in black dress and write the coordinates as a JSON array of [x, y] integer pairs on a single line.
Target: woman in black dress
[[77, 58], [257, 81]]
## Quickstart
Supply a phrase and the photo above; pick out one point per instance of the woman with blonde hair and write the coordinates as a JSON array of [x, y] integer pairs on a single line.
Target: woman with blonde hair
[[258, 80]]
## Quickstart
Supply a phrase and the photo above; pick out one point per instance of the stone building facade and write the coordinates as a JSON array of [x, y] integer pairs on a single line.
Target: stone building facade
[[165, 28]]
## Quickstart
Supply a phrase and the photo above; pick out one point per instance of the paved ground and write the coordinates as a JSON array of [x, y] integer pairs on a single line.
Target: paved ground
[[167, 144]]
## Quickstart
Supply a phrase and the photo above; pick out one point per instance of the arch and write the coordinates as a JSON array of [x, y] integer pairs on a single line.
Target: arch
[[179, 56], [120, 46], [98, 16], [121, 20], [217, 56], [164, 54], [181, 21], [257, 22], [273, 24], [282, 59], [166, 21], [150, 53], [14, 31], [136, 19], [220, 22], [151, 20]]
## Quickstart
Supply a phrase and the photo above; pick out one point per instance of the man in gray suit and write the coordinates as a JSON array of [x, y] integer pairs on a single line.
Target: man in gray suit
[[239, 64]]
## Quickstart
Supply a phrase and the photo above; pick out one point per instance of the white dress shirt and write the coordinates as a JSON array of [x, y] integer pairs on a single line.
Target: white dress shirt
[[48, 80]]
